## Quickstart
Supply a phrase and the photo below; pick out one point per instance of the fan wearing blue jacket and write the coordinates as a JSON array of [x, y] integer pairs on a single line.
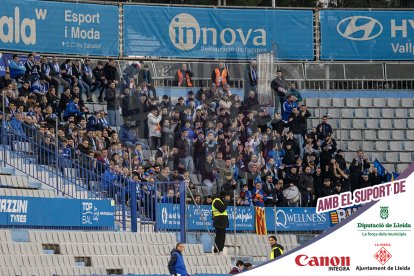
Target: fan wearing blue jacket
[[176, 264], [72, 109]]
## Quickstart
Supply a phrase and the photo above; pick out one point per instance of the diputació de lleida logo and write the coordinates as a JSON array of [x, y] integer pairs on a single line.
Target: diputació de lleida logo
[[384, 212]]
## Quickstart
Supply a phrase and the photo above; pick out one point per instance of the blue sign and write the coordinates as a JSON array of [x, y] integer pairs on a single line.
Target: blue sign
[[217, 33], [56, 212], [296, 219], [367, 35], [59, 28], [199, 218]]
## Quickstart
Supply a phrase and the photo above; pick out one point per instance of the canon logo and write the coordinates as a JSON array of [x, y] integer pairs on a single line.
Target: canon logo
[[359, 28], [304, 260]]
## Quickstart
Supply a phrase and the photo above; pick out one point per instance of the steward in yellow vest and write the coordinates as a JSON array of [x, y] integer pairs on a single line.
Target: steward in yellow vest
[[277, 249], [220, 220]]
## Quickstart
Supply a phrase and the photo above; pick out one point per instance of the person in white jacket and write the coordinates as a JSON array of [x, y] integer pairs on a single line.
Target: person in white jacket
[[154, 129]]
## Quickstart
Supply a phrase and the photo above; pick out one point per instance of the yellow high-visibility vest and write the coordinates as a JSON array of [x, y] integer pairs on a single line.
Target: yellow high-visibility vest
[[272, 253], [216, 212]]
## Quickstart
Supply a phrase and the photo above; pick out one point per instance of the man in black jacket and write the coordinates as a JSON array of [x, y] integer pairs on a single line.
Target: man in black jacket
[[112, 105], [220, 220]]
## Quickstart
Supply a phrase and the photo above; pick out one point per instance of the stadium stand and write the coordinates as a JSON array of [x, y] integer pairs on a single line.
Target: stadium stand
[[101, 253]]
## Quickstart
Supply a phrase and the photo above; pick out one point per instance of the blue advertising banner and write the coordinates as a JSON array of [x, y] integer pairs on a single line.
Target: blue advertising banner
[[367, 35], [59, 28], [217, 33], [199, 218], [296, 219], [56, 212]]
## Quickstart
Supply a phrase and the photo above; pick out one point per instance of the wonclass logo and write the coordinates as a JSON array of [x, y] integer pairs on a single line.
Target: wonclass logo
[[360, 28]]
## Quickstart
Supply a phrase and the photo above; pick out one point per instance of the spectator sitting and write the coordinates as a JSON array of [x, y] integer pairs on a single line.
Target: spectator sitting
[[72, 109], [245, 196], [127, 134], [239, 268]]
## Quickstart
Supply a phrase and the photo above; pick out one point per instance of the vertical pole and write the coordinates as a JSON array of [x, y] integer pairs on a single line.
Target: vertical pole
[[123, 207], [274, 211], [183, 237], [273, 3], [234, 224], [134, 208], [57, 156], [4, 130], [155, 211]]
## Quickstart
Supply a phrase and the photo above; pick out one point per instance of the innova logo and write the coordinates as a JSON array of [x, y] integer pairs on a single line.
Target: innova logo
[[14, 29], [185, 33], [359, 28]]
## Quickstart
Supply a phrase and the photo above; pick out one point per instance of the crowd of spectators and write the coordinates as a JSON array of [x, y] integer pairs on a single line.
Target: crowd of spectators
[[226, 142]]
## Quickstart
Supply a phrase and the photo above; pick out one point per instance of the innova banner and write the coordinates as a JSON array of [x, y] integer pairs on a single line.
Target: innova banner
[[217, 33], [65, 28], [367, 35], [376, 238]]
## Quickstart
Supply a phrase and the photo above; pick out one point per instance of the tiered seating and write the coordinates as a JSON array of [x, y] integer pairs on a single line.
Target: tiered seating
[[383, 128], [257, 247], [18, 185], [77, 253]]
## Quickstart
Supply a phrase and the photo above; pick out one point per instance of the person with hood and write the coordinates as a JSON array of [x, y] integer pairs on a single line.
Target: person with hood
[[238, 268], [176, 265], [220, 220], [277, 249], [154, 128]]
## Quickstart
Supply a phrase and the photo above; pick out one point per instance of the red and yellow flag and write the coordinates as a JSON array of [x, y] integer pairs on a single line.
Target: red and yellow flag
[[261, 221]]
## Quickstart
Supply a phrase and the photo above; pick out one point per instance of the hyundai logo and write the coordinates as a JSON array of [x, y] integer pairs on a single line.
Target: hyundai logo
[[359, 28]]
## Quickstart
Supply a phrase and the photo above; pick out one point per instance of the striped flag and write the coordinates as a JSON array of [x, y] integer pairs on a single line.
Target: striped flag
[[260, 221]]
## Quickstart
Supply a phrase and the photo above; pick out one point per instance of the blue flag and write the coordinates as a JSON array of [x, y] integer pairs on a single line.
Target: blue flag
[[392, 176], [380, 168]]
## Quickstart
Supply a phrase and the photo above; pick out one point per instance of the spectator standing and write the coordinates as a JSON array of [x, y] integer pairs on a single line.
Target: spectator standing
[[250, 79], [184, 151], [112, 105], [183, 77], [154, 128], [176, 265], [276, 249], [324, 129], [129, 72], [280, 88], [144, 75], [293, 91], [356, 169], [220, 220], [220, 76]]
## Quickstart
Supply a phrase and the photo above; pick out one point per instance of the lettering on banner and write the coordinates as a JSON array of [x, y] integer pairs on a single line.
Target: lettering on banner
[[17, 208]]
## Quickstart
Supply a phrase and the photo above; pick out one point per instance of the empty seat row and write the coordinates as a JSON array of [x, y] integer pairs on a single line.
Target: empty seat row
[[378, 146], [128, 261], [359, 102], [26, 192], [366, 123], [212, 260], [102, 237], [42, 271], [37, 261], [87, 249], [16, 181], [362, 113], [142, 270], [371, 134], [20, 248], [209, 270]]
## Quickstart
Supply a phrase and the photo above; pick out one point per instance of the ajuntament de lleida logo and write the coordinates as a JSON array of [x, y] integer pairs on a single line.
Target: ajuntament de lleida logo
[[384, 212]]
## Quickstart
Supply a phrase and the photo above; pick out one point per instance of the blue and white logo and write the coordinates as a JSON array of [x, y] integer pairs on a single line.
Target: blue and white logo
[[184, 31], [360, 28]]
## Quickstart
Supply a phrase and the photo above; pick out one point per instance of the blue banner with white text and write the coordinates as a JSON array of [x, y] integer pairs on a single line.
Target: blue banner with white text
[[65, 28], [367, 35], [56, 212], [217, 33], [199, 218]]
